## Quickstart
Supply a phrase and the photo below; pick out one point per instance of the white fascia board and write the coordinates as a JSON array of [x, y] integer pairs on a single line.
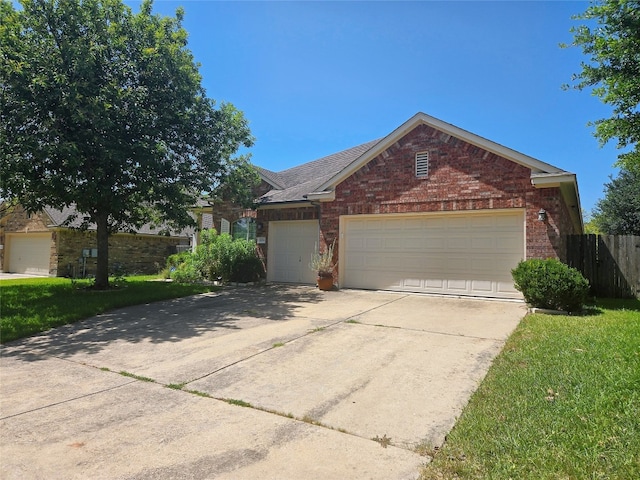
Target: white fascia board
[[326, 196], [535, 165], [552, 180]]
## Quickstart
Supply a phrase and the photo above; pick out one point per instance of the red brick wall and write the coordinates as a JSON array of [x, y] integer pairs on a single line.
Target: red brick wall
[[461, 177]]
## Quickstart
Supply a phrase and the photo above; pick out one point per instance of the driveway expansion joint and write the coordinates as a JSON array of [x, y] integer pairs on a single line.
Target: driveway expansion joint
[[68, 400]]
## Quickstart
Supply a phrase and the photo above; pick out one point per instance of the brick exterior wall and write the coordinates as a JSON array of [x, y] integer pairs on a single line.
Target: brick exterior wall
[[461, 177], [268, 215], [18, 220], [133, 253]]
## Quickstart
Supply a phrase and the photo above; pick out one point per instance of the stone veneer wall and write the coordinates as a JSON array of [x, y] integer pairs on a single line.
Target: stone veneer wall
[[17, 220], [133, 254]]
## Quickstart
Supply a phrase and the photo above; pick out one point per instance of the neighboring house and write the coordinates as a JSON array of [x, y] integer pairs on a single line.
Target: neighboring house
[[41, 244], [428, 208]]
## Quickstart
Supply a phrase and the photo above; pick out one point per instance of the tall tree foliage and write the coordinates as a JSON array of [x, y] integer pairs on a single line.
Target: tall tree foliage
[[104, 108], [613, 47], [618, 213]]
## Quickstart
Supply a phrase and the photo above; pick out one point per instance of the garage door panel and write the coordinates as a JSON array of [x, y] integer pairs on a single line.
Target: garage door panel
[[482, 286], [461, 254], [291, 247], [29, 253]]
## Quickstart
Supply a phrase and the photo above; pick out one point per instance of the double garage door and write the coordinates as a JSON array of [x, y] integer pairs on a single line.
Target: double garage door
[[28, 253], [460, 254]]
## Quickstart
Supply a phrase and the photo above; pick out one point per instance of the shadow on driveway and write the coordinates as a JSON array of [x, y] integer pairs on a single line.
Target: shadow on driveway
[[168, 321]]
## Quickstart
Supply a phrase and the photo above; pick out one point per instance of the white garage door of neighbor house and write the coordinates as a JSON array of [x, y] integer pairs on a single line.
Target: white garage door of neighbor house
[[291, 245], [29, 253], [463, 254]]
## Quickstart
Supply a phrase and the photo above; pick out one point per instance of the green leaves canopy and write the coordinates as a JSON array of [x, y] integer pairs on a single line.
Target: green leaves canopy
[[618, 213], [104, 109], [613, 47]]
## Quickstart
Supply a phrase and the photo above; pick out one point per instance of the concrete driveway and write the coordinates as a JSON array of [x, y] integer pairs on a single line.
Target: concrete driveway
[[269, 382]]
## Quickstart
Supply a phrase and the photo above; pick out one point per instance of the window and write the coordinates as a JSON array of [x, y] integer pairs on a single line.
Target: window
[[244, 228], [422, 164], [224, 226]]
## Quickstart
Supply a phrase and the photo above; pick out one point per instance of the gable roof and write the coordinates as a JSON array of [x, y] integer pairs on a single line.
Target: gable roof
[[317, 179], [420, 118]]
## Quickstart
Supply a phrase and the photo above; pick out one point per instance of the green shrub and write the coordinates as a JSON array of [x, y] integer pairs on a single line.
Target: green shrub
[[221, 258], [245, 265], [186, 272], [173, 263], [213, 255], [551, 284]]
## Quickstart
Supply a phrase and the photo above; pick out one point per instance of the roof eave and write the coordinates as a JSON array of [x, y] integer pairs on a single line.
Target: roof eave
[[324, 196], [568, 185], [286, 204]]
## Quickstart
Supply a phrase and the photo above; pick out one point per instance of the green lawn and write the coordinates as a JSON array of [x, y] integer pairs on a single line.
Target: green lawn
[[562, 401], [33, 305]]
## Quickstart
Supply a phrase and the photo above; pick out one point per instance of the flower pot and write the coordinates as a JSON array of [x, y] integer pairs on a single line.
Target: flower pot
[[325, 283]]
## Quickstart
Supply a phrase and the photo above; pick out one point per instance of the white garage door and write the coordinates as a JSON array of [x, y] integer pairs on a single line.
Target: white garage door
[[291, 245], [29, 253], [470, 254]]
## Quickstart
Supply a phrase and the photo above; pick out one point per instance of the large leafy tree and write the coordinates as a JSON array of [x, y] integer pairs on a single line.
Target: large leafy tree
[[618, 213], [104, 108], [611, 40]]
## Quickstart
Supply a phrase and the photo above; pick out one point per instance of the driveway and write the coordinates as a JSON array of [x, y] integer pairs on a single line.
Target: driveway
[[269, 382]]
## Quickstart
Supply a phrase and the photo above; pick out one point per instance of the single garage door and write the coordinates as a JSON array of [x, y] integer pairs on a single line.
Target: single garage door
[[462, 254], [29, 253], [290, 248]]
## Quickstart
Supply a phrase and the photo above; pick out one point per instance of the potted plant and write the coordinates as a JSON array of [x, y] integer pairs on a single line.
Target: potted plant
[[322, 263]]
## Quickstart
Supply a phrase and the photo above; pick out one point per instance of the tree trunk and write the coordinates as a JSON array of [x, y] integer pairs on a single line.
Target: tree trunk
[[102, 268]]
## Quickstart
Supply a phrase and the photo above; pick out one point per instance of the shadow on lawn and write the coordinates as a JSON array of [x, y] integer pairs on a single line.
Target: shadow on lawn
[[168, 321], [619, 304]]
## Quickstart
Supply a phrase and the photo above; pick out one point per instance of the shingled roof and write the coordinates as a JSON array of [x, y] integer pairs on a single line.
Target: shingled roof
[[58, 218], [294, 184]]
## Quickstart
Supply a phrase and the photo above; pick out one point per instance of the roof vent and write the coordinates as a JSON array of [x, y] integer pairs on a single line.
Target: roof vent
[[422, 164]]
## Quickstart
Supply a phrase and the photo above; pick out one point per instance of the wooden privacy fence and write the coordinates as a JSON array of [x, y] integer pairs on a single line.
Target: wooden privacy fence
[[611, 263]]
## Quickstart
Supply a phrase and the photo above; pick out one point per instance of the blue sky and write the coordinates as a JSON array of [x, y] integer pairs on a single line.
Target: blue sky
[[314, 78]]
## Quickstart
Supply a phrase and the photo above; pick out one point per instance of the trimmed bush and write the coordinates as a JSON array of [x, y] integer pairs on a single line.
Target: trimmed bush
[[551, 284]]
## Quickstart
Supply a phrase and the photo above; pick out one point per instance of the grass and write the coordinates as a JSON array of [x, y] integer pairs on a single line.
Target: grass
[[137, 377], [562, 400], [33, 305]]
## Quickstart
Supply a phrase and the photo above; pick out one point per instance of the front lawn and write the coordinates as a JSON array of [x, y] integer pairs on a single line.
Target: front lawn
[[33, 305], [562, 401]]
